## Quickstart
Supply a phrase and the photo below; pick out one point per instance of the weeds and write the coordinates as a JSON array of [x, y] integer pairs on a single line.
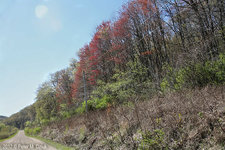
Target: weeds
[[189, 119]]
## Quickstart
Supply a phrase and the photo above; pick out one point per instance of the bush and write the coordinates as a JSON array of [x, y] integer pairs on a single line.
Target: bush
[[211, 72], [32, 131], [2, 126], [4, 135], [125, 85], [52, 119], [102, 103], [65, 114], [36, 130], [82, 108], [44, 121], [195, 75], [153, 140], [120, 89], [28, 124], [174, 79], [95, 103], [6, 131]]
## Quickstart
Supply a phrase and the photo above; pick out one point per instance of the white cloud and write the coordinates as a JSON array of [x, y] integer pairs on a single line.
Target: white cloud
[[56, 25], [41, 11], [49, 21]]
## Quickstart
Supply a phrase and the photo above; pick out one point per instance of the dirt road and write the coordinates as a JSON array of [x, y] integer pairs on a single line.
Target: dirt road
[[22, 142]]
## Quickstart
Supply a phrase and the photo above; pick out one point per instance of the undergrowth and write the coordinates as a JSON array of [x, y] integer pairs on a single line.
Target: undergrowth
[[7, 131]]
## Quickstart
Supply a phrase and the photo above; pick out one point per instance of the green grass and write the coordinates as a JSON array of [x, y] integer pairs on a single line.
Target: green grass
[[1, 140], [54, 144]]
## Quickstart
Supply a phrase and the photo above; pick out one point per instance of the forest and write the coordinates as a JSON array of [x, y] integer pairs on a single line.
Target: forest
[[152, 51]]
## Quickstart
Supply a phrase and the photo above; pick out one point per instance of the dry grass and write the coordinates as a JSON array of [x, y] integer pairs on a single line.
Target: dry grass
[[190, 119]]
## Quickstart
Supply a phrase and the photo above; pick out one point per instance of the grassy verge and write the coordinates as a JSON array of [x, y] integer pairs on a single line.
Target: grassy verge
[[53, 144], [1, 140]]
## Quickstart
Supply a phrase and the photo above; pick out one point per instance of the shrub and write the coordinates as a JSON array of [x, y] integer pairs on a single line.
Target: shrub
[[32, 131], [153, 140], [44, 121], [95, 103], [2, 126], [120, 89], [4, 135], [54, 119], [102, 103], [6, 131], [65, 114], [80, 110], [174, 79], [28, 124], [36, 130], [124, 85], [211, 72]]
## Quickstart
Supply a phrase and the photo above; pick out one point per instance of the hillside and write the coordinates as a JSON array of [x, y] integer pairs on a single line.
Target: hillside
[[2, 117], [19, 119], [153, 78], [189, 119]]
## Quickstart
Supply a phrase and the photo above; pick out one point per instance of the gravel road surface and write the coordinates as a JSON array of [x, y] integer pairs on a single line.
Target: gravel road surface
[[22, 142]]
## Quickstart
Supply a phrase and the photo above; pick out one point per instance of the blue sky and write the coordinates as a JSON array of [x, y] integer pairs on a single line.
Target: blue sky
[[39, 37]]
